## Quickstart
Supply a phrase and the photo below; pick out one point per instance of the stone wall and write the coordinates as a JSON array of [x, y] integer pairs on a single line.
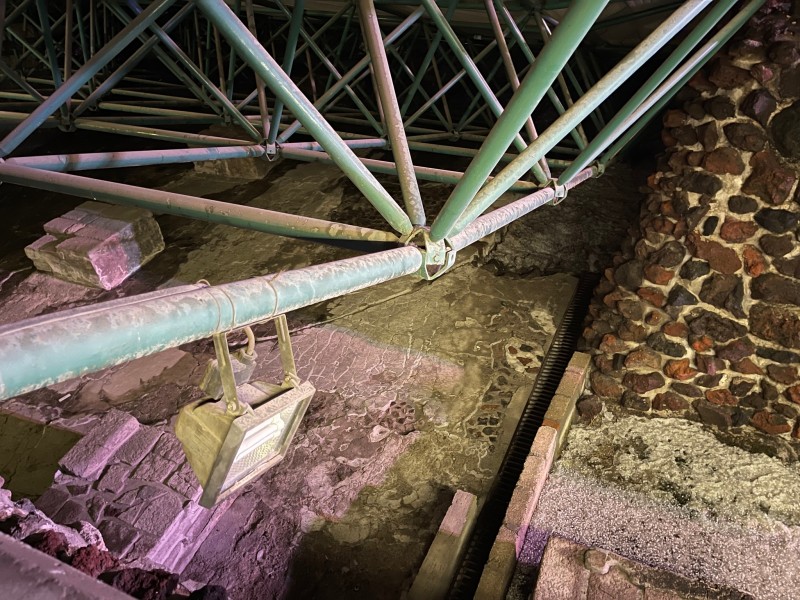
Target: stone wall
[[700, 315], [134, 484]]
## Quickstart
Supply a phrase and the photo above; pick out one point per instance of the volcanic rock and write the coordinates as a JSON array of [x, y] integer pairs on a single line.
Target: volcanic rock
[[745, 136], [719, 257], [772, 287], [777, 245], [644, 382], [777, 220], [769, 179], [759, 106], [742, 204]]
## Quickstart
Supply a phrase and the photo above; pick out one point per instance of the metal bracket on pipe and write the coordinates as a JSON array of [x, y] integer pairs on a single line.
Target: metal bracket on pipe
[[228, 371], [599, 168], [271, 151], [560, 191], [438, 257], [229, 442], [67, 124]]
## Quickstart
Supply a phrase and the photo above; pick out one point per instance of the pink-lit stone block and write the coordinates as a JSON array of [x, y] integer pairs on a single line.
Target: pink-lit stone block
[[97, 245]]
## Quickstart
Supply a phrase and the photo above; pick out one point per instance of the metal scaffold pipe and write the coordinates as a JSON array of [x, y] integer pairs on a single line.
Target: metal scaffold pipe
[[202, 209], [52, 348], [612, 129], [576, 113], [136, 158], [63, 93], [552, 59], [254, 54]]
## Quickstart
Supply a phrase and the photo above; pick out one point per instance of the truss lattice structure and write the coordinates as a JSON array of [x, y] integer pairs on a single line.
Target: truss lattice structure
[[517, 91]]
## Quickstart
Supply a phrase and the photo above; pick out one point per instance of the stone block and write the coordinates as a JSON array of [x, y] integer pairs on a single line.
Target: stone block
[[613, 584], [137, 447], [72, 511], [525, 498], [498, 572], [439, 567], [139, 494], [169, 447], [562, 575], [115, 478], [178, 539], [157, 516], [119, 536], [185, 482], [544, 444], [183, 538], [155, 469], [97, 245], [63, 226], [580, 363], [91, 454], [52, 500], [559, 416]]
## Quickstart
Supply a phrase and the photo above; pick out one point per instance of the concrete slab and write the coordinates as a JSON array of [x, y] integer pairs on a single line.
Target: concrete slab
[[653, 490]]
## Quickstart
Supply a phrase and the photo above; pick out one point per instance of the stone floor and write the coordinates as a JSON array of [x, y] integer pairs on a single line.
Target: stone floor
[[413, 379]]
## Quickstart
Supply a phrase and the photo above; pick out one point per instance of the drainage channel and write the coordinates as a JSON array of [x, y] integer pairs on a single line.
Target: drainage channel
[[494, 509]]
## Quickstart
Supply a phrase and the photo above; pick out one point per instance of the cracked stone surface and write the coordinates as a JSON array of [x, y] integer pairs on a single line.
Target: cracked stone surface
[[399, 422]]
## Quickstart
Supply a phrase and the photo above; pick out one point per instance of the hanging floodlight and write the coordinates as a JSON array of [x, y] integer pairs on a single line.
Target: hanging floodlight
[[241, 429]]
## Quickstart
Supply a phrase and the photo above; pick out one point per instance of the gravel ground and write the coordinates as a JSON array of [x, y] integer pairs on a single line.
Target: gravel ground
[[667, 493]]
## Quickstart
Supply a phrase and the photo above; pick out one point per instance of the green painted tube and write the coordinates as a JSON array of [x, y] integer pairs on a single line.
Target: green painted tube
[[48, 349], [253, 53], [295, 24], [140, 109], [426, 61], [565, 40], [354, 72], [202, 209], [611, 130], [650, 108], [20, 133], [64, 163], [476, 77], [516, 33], [195, 71], [578, 111], [129, 64], [311, 44], [392, 118]]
